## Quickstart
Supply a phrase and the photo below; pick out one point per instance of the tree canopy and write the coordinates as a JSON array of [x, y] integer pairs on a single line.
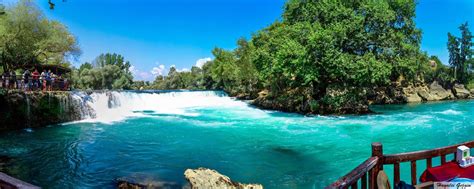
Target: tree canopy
[[319, 45], [460, 53], [108, 71], [28, 37]]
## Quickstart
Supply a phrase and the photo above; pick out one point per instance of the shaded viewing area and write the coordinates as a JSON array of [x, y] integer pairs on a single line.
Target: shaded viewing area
[[370, 173], [45, 77]]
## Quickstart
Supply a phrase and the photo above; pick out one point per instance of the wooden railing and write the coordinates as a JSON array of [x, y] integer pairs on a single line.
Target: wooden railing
[[369, 168], [8, 182], [58, 84], [374, 164]]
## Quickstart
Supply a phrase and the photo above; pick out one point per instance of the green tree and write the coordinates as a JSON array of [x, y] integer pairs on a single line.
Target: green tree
[[224, 70], [27, 37], [465, 51], [454, 53], [108, 71], [460, 53]]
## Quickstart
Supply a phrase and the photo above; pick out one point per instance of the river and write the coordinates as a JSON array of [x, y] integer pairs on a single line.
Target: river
[[157, 136]]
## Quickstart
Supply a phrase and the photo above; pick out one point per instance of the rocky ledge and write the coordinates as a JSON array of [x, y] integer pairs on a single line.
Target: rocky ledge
[[340, 100], [420, 93], [19, 109]]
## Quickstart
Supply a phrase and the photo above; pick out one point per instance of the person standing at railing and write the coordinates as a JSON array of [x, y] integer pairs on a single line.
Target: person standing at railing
[[48, 80], [53, 81], [43, 80], [6, 77], [26, 79], [3, 80], [66, 84], [13, 81], [36, 75]]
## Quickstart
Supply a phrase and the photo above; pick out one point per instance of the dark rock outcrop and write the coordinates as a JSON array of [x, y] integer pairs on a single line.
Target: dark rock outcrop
[[207, 178], [21, 110]]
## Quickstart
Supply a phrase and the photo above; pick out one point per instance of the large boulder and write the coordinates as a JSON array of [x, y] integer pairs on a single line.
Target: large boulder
[[411, 95], [437, 92], [460, 91], [424, 93], [472, 93], [207, 178]]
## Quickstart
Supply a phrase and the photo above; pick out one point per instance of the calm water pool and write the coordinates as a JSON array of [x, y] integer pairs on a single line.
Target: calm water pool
[[158, 136]]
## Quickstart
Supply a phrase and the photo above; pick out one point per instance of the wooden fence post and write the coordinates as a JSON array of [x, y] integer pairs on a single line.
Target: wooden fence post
[[377, 150]]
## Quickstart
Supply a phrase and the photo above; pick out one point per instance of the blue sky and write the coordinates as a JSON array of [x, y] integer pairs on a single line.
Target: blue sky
[[156, 34]]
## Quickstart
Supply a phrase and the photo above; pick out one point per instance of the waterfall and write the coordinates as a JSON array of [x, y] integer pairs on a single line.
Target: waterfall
[[28, 110], [81, 103], [114, 106]]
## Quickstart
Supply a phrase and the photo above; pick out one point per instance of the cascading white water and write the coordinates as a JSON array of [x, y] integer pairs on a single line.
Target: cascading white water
[[107, 107]]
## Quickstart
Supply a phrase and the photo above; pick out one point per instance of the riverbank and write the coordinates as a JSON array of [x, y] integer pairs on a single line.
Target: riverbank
[[358, 102]]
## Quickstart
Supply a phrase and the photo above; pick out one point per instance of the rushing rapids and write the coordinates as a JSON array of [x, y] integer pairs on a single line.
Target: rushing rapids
[[110, 106], [156, 136]]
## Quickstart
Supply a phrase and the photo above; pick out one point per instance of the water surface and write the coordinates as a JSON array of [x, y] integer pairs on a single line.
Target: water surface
[[158, 136]]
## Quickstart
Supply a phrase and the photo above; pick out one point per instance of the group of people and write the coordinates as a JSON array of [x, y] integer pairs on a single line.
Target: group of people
[[33, 81]]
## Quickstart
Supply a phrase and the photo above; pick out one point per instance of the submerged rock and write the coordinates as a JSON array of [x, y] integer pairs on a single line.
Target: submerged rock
[[460, 91], [207, 178], [126, 183]]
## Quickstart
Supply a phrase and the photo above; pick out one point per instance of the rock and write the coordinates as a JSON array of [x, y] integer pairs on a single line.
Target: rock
[[129, 183], [460, 91], [391, 94], [472, 93], [207, 178], [411, 95], [424, 93], [263, 93], [439, 93]]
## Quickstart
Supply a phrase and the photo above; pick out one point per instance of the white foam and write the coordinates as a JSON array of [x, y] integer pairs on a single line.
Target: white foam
[[110, 107], [450, 112]]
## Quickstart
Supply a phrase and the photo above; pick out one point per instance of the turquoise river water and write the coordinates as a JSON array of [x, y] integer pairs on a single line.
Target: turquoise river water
[[156, 137]]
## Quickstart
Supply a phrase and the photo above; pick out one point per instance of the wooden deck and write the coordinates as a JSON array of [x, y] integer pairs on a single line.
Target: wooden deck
[[367, 171]]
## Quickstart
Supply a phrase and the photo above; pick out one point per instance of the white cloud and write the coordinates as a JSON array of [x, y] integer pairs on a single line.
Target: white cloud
[[132, 69], [183, 70], [140, 75], [158, 70], [202, 61]]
